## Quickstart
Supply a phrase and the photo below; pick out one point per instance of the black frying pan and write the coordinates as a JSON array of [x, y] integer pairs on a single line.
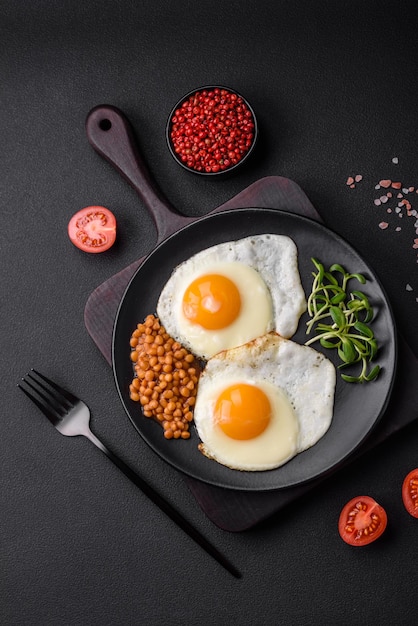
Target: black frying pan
[[357, 407]]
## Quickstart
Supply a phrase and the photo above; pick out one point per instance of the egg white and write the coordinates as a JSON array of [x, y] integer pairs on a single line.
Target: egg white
[[251, 321], [265, 270], [274, 446], [305, 377]]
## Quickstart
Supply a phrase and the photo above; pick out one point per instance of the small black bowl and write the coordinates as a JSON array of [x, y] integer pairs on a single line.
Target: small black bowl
[[209, 136]]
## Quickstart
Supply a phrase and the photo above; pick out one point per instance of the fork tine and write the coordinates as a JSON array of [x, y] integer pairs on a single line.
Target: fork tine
[[53, 400], [63, 392], [40, 402]]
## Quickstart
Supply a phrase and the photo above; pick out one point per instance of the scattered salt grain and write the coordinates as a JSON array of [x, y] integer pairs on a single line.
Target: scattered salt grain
[[351, 181], [408, 287], [404, 206], [395, 160]]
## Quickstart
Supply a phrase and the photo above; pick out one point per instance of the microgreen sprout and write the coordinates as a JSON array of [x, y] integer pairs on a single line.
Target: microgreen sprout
[[341, 318]]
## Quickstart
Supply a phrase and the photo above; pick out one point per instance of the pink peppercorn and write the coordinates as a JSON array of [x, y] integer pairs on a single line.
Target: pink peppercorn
[[212, 130]]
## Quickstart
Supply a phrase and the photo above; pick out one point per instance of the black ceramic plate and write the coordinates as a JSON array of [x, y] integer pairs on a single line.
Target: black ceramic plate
[[357, 407]]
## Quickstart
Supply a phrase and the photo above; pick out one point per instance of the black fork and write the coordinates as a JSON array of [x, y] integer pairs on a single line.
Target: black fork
[[71, 417]]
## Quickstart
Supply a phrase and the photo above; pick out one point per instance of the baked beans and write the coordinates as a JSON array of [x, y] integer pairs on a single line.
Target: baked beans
[[166, 377]]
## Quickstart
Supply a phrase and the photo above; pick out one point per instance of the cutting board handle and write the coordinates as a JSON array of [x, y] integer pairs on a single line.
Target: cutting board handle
[[111, 135]]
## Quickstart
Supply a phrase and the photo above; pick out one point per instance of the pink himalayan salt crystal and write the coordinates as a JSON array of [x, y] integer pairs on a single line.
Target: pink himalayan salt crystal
[[383, 225], [385, 183], [351, 181]]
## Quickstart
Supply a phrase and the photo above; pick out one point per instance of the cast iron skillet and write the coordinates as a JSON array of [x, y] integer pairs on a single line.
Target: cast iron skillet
[[357, 407]]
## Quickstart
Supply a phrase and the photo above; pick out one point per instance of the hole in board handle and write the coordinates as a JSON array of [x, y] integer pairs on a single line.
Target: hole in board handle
[[105, 124]]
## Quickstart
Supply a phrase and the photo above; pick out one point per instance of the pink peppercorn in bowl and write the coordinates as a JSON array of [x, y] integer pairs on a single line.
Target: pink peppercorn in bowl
[[211, 131]]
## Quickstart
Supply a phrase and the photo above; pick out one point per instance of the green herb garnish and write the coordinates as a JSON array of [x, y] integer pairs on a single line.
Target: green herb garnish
[[341, 319]]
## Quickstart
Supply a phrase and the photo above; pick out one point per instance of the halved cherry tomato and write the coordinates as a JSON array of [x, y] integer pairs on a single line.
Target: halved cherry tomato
[[362, 520], [410, 492], [93, 229]]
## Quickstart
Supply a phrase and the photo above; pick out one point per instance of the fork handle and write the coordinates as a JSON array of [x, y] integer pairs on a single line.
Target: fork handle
[[165, 506]]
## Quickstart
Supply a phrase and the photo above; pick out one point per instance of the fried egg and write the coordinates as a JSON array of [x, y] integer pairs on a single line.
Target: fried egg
[[260, 404], [231, 293]]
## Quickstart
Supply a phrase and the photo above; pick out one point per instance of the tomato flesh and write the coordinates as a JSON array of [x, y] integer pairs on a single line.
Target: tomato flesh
[[410, 492], [362, 521], [93, 229]]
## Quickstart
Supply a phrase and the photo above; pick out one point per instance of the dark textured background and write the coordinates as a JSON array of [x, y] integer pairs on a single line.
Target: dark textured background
[[335, 90]]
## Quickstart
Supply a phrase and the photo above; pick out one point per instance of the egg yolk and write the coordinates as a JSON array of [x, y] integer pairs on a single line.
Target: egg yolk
[[242, 411], [212, 301]]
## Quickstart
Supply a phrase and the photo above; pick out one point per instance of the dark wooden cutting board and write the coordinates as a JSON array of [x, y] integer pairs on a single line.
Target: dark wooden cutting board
[[235, 510]]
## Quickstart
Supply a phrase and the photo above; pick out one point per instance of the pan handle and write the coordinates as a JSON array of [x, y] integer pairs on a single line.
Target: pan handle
[[111, 135]]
